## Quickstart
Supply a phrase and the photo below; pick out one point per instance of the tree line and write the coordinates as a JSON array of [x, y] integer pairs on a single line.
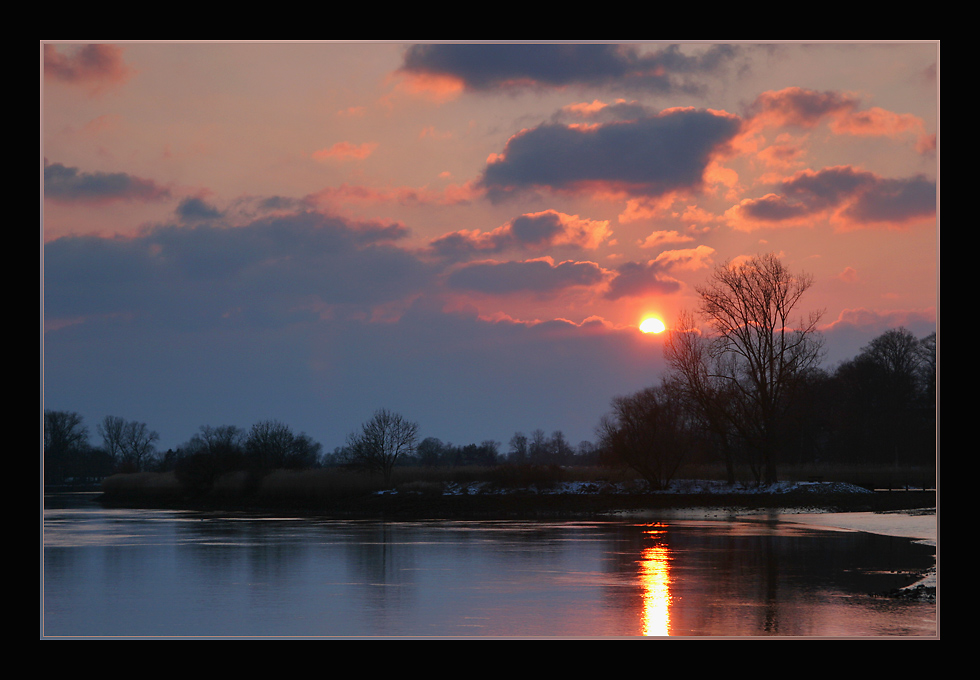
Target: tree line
[[385, 440], [744, 388]]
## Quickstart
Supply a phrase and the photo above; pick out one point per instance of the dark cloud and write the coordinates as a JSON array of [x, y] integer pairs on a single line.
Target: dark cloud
[[648, 157], [895, 200], [487, 66], [196, 210], [88, 64], [533, 276], [271, 271], [531, 231], [861, 198], [636, 279], [70, 185]]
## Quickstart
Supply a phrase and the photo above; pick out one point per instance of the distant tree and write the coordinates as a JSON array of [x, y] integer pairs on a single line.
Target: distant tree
[[927, 370], [382, 441], [220, 439], [112, 429], [138, 446], [756, 355], [561, 451], [271, 444], [538, 449], [586, 453], [65, 443], [519, 448], [430, 451], [488, 453]]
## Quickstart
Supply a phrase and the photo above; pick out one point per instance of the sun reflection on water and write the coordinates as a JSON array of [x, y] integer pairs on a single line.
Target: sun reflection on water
[[655, 577]]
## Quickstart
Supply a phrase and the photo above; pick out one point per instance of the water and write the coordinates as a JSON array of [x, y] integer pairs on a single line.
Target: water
[[110, 572]]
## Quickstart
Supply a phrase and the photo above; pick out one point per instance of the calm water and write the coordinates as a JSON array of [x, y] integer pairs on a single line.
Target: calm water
[[166, 573]]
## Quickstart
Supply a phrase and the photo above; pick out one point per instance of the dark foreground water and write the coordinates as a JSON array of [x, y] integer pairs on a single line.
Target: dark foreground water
[[168, 573]]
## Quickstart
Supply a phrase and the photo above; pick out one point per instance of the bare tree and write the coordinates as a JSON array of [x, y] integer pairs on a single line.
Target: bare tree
[[271, 444], [268, 443], [518, 448], [650, 432], [383, 440], [112, 429], [65, 440], [138, 445], [707, 394], [745, 373]]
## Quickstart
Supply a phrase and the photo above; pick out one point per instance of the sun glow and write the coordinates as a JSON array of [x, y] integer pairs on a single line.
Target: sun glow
[[652, 325]]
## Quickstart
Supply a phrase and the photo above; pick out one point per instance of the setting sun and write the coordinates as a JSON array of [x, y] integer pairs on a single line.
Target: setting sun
[[652, 325]]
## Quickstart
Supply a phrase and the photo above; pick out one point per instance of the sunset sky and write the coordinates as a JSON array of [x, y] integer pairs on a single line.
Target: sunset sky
[[467, 234]]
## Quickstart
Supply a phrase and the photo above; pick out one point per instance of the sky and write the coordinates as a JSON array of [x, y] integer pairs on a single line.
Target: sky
[[467, 234]]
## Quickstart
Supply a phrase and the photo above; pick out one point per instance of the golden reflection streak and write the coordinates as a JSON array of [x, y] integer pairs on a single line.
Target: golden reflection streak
[[655, 577]]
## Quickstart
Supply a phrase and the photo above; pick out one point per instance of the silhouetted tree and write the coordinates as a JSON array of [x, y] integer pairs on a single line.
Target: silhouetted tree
[[884, 409], [382, 441], [519, 447], [538, 452], [112, 429], [561, 451], [650, 432], [271, 444], [138, 446], [744, 376], [430, 452]]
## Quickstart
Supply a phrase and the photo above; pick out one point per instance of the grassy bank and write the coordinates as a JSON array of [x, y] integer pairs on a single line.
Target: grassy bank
[[505, 491]]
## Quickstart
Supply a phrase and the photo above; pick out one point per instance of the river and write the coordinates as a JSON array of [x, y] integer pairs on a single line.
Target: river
[[161, 573]]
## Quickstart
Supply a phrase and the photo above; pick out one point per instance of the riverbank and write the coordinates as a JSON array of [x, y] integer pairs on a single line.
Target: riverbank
[[322, 493]]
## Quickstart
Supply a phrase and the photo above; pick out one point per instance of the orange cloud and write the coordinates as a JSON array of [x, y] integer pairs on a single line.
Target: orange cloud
[[646, 208], [787, 152], [346, 151], [878, 121], [690, 259], [435, 87], [798, 106], [658, 238], [586, 109]]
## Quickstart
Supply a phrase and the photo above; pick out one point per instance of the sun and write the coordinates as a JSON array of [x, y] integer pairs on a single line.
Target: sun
[[652, 325]]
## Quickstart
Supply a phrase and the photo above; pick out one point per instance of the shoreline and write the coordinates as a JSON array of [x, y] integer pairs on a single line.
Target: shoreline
[[921, 525]]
